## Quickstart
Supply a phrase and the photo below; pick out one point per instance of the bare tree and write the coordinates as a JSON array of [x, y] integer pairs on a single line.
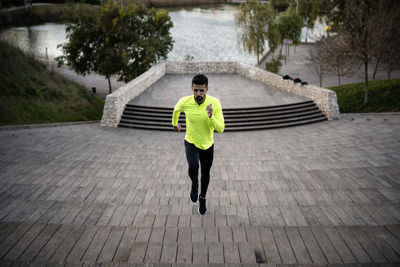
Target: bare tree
[[387, 51], [392, 62], [317, 61], [337, 57], [358, 26]]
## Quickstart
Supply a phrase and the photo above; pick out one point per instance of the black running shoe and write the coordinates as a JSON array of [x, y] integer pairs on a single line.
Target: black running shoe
[[194, 192], [202, 206]]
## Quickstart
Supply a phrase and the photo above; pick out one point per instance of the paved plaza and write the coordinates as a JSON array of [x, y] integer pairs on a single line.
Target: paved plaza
[[233, 91], [82, 195]]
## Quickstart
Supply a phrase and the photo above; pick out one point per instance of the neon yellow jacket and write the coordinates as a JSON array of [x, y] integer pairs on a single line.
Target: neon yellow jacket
[[200, 128]]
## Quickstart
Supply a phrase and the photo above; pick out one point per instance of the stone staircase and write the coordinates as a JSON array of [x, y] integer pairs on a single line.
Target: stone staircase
[[237, 119]]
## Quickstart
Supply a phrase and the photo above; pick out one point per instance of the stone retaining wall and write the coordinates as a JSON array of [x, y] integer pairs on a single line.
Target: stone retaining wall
[[325, 99], [115, 104], [173, 3], [185, 67]]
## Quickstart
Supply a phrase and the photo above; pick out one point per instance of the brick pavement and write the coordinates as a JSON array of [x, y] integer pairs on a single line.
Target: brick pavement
[[324, 193], [233, 91]]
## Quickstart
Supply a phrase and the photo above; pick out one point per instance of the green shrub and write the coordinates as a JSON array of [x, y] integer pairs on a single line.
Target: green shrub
[[383, 96], [274, 65]]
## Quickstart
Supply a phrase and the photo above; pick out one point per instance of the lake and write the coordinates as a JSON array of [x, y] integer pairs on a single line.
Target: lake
[[207, 33]]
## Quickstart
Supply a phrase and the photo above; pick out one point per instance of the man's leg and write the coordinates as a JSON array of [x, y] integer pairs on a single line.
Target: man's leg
[[192, 156], [206, 160]]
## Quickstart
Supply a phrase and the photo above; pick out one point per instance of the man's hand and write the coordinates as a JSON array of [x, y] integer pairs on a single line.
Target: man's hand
[[178, 128], [209, 110]]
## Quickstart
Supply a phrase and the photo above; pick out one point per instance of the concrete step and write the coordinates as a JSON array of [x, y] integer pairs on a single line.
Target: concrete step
[[243, 113], [251, 110], [228, 119], [279, 125], [227, 129], [252, 118], [271, 122], [228, 126], [255, 110]]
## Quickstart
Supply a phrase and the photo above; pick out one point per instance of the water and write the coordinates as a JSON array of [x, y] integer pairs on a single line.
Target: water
[[35, 39], [206, 33]]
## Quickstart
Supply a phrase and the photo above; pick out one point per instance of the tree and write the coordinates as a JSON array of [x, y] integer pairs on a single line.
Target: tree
[[336, 57], [256, 21], [387, 52], [308, 11], [117, 40], [317, 61], [289, 25], [357, 21], [281, 5]]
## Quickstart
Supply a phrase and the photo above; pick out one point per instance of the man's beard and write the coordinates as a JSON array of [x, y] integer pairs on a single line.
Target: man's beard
[[199, 98]]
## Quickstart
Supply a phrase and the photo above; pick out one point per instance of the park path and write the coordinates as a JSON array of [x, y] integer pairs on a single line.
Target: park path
[[299, 65], [89, 80]]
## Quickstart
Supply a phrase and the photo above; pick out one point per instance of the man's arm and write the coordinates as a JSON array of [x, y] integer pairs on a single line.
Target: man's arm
[[175, 115], [217, 118]]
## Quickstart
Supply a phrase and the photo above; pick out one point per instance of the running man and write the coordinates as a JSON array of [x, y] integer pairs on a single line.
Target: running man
[[203, 115]]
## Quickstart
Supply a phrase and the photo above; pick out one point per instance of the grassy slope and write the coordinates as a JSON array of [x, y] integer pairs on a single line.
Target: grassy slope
[[41, 14], [29, 93], [383, 96]]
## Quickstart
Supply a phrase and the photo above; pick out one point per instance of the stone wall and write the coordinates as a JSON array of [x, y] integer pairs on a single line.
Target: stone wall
[[115, 104], [173, 3], [325, 99], [185, 67]]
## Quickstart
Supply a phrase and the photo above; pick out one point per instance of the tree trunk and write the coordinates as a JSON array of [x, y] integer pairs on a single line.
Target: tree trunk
[[389, 70], [109, 83], [306, 34], [376, 68], [366, 83], [258, 55], [321, 74], [321, 77]]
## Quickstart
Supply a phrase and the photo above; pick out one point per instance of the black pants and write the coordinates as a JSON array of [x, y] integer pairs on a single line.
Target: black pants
[[193, 155]]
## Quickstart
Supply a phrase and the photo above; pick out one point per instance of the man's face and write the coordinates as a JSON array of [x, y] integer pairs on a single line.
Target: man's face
[[199, 92]]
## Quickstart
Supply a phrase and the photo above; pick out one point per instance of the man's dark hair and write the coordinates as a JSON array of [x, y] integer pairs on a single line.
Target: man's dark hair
[[200, 79]]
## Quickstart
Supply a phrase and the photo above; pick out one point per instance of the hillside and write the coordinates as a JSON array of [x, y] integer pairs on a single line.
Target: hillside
[[30, 93]]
